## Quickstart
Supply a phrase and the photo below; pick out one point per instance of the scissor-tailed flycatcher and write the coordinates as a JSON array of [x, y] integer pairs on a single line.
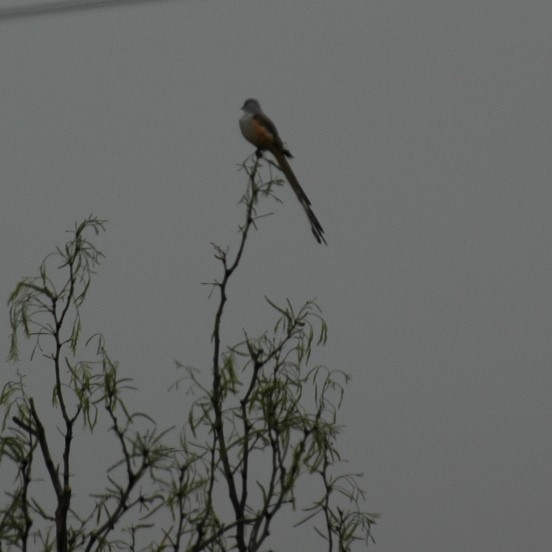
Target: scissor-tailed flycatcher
[[259, 129]]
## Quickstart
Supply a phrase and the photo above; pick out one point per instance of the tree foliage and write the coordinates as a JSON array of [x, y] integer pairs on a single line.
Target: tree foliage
[[265, 421]]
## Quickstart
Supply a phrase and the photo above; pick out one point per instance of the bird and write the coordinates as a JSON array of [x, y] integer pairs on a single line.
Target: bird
[[258, 129]]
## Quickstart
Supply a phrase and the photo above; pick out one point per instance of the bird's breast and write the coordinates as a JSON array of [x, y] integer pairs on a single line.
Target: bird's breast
[[255, 132]]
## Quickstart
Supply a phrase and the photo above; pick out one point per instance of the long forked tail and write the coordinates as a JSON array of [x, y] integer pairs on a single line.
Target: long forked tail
[[316, 227]]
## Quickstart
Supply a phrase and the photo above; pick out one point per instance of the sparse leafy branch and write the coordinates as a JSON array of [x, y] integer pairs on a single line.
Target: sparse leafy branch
[[46, 309], [266, 421], [40, 310], [143, 452], [19, 448]]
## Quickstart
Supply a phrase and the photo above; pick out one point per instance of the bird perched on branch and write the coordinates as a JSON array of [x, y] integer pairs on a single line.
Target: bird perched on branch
[[259, 129]]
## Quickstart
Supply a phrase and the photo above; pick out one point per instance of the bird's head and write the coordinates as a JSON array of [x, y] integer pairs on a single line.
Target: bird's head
[[251, 106]]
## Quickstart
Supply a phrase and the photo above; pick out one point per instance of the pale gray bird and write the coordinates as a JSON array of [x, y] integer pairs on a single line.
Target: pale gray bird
[[259, 129]]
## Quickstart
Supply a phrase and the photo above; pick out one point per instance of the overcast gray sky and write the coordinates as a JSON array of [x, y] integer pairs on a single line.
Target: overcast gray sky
[[421, 133]]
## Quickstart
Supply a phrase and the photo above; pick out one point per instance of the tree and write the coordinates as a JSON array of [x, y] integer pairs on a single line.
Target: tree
[[265, 421]]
